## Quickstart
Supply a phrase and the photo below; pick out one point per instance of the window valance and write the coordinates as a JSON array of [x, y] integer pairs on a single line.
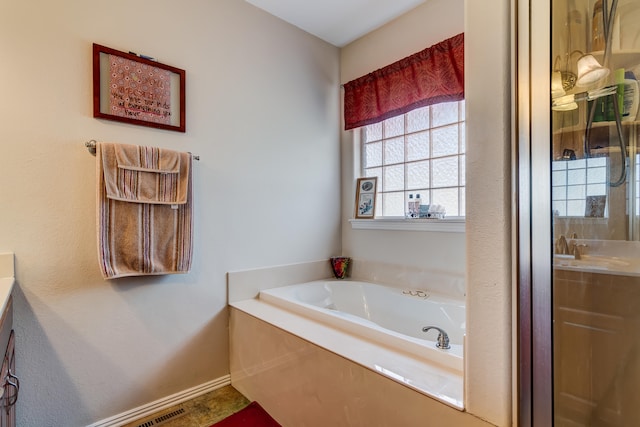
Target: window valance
[[428, 77]]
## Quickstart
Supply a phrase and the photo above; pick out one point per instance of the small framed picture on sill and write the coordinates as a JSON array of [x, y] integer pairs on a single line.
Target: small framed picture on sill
[[366, 197]]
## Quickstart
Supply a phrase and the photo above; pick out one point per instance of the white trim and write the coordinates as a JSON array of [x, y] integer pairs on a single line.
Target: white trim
[[162, 404], [449, 225]]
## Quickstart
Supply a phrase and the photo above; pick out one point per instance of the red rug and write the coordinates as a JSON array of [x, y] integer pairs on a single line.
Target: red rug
[[251, 416]]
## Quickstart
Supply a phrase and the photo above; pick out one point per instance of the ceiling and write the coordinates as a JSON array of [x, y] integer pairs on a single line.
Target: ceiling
[[338, 22]]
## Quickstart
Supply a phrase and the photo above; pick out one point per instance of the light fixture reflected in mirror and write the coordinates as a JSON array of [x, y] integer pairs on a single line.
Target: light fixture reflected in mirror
[[557, 88], [590, 70], [562, 80], [564, 103]]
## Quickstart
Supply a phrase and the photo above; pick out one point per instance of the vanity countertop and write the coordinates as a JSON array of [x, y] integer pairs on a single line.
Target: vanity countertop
[[614, 257], [7, 278]]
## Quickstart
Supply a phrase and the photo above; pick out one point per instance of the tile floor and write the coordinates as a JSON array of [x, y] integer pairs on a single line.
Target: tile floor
[[201, 411]]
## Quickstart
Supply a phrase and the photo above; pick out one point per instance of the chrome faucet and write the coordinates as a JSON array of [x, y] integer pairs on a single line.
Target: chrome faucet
[[443, 338]]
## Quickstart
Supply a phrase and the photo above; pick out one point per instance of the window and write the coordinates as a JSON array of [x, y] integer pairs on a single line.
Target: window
[[420, 152], [573, 181]]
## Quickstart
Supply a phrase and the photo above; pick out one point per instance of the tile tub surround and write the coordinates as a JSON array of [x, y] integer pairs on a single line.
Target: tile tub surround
[[300, 383], [247, 284], [400, 276]]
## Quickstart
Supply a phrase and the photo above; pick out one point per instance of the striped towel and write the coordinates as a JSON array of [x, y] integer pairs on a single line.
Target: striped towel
[[144, 208]]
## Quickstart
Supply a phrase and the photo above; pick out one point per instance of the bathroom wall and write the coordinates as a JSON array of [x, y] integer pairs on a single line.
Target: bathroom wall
[[262, 113], [488, 35], [483, 252], [424, 26]]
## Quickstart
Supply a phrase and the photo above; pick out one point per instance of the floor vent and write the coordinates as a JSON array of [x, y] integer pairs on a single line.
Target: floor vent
[[163, 418]]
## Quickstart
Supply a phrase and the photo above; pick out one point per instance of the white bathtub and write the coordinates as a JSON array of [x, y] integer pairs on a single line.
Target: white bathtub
[[392, 318]]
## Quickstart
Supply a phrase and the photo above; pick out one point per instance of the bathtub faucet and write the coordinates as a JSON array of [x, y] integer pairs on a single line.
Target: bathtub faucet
[[443, 338]]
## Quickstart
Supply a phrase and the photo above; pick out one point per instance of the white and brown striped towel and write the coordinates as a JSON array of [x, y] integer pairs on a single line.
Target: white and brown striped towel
[[144, 207]]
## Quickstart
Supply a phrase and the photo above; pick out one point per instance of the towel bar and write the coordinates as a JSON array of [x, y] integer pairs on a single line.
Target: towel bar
[[91, 146]]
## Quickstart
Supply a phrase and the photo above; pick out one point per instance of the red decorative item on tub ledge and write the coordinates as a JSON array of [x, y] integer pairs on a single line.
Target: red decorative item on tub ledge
[[339, 264], [251, 416]]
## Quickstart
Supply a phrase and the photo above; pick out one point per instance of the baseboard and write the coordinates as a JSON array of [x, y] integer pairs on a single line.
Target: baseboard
[[161, 404]]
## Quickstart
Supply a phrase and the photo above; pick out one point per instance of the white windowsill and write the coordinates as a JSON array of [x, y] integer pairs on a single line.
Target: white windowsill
[[447, 225]]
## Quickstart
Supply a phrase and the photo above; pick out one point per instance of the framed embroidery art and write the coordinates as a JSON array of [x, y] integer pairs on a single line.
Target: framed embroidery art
[[366, 197], [136, 89]]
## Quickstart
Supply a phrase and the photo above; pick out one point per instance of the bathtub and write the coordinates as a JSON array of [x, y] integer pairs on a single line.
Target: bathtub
[[377, 328], [391, 317]]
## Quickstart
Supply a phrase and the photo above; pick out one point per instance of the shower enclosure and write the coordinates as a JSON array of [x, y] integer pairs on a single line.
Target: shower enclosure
[[579, 207]]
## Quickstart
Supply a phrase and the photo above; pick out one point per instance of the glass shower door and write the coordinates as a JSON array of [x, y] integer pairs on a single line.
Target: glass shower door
[[595, 200]]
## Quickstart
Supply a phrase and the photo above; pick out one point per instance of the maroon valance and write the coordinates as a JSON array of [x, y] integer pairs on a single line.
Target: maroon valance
[[431, 76]]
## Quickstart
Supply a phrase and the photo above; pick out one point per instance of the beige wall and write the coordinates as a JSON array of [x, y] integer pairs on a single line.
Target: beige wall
[[489, 198], [414, 31], [483, 252], [262, 113]]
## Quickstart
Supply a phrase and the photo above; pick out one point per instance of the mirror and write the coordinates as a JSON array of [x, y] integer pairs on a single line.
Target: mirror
[[595, 125]]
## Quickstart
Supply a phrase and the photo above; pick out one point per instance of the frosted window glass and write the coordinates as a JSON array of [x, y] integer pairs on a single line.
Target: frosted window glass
[[558, 193], [447, 197], [373, 132], [393, 178], [418, 146], [560, 207], [444, 113], [373, 172], [394, 151], [575, 191], [597, 161], [445, 172], [597, 190], [559, 178], [418, 175], [373, 154], [577, 179], [393, 126], [417, 152], [575, 207], [577, 164], [418, 119], [596, 175], [558, 165], [576, 176], [445, 141], [393, 204]]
